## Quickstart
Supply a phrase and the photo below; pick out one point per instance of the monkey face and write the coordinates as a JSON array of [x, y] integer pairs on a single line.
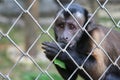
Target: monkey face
[[68, 30]]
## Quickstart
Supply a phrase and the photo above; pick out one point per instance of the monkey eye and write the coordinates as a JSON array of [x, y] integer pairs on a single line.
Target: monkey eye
[[61, 25], [71, 26]]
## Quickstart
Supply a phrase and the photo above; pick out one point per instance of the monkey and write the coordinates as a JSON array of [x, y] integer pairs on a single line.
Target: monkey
[[89, 48]]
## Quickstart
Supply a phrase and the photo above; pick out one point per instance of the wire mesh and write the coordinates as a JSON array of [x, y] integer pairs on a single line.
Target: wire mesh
[[26, 54]]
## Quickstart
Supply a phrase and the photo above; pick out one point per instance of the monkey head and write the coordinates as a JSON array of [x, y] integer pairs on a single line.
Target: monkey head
[[66, 26]]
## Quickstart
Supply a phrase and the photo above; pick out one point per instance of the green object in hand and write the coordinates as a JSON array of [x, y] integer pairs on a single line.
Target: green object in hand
[[60, 63]]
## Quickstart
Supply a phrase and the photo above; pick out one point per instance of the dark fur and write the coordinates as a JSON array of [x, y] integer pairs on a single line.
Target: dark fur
[[98, 61]]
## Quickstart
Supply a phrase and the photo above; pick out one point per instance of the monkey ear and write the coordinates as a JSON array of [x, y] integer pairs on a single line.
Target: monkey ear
[[91, 25], [92, 20]]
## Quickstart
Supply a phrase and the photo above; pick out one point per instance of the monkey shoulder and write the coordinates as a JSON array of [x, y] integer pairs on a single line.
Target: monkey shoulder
[[108, 40], [97, 33]]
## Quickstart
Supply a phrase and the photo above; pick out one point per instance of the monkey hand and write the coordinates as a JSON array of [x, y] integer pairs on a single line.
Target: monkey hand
[[52, 49]]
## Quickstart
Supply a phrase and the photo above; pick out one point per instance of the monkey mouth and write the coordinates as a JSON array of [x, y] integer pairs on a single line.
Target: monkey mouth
[[63, 42], [70, 44]]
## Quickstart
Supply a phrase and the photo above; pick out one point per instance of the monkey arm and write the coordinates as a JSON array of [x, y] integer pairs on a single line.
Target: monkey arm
[[51, 50]]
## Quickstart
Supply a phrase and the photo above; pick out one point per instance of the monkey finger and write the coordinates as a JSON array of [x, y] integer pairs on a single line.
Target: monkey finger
[[54, 45], [50, 44], [49, 56], [49, 49]]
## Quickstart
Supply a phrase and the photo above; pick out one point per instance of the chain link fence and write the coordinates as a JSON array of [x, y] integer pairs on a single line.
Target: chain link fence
[[41, 71]]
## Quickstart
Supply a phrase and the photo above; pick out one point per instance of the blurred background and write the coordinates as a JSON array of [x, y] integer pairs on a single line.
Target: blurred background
[[24, 21]]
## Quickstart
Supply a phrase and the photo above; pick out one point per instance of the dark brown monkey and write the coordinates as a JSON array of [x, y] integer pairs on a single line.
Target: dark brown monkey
[[83, 45]]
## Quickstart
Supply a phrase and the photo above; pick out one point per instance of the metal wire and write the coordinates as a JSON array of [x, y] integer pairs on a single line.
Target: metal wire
[[23, 54]]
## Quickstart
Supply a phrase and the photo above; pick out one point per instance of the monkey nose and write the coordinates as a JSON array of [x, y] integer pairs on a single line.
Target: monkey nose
[[66, 38]]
